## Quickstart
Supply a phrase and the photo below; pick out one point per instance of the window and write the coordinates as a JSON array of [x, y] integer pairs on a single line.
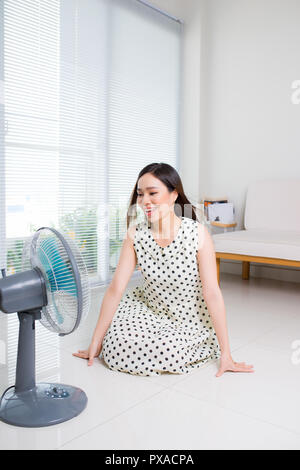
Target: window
[[89, 94]]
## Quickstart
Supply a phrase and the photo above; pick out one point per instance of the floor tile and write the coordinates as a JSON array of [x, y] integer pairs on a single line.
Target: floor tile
[[172, 420], [270, 393]]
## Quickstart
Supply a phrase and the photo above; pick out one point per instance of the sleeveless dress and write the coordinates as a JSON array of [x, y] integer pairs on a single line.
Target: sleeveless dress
[[163, 325]]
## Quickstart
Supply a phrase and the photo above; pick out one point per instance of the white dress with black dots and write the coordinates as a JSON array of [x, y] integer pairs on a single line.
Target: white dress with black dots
[[163, 325]]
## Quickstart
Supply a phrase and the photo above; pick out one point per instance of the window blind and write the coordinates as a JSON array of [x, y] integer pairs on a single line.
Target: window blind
[[91, 96]]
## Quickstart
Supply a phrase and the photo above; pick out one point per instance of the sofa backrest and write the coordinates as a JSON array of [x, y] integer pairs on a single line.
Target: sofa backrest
[[273, 204]]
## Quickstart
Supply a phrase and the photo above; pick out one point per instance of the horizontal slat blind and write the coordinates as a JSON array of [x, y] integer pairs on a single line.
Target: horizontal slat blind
[[2, 161], [91, 97], [143, 101], [31, 67]]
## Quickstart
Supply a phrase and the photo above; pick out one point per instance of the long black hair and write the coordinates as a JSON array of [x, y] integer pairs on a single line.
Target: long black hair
[[170, 177]]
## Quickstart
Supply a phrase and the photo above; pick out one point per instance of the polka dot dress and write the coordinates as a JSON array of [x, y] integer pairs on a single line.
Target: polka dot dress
[[163, 325]]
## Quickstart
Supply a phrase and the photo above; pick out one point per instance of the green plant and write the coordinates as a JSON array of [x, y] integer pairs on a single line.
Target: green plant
[[81, 225], [14, 256]]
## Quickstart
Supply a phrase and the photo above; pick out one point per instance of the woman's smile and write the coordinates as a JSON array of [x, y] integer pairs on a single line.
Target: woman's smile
[[150, 211]]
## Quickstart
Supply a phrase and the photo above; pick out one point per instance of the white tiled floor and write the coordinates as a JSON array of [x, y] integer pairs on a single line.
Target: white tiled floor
[[196, 411]]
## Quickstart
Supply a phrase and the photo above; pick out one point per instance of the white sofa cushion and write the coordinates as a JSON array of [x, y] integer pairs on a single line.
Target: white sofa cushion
[[267, 243], [273, 204]]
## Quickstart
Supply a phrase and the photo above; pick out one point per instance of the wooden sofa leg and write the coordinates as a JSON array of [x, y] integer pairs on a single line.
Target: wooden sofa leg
[[246, 270], [218, 269]]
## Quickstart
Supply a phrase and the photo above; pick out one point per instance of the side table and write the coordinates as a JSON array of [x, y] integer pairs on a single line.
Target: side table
[[225, 226]]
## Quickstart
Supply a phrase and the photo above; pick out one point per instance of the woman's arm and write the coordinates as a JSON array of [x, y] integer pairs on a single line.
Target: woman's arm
[[126, 264], [114, 292], [213, 297]]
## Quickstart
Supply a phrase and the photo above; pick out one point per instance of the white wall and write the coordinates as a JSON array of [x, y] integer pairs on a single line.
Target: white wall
[[251, 128]]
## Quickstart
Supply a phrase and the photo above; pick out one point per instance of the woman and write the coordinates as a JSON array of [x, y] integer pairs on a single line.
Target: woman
[[176, 321]]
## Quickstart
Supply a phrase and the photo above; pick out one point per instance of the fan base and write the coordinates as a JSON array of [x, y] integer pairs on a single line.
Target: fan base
[[46, 404]]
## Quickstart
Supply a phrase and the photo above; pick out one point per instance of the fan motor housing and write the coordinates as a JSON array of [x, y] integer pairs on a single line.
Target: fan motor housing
[[23, 291]]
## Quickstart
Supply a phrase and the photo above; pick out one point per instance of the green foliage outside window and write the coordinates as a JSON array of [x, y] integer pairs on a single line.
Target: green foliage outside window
[[81, 226]]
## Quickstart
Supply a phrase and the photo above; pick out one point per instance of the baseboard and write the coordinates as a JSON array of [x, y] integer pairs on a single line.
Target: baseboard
[[260, 270]]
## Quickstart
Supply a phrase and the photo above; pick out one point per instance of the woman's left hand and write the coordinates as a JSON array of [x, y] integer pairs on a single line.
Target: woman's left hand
[[228, 364]]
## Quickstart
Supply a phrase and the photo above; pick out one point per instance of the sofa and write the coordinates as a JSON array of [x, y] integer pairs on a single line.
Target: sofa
[[271, 233]]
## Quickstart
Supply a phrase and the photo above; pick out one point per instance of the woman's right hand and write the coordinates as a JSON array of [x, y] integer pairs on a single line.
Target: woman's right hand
[[93, 351]]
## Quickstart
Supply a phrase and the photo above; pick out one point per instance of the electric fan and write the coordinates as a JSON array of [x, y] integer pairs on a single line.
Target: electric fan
[[53, 288]]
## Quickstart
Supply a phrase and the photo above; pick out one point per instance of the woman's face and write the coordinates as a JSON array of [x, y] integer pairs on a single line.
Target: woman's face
[[153, 194]]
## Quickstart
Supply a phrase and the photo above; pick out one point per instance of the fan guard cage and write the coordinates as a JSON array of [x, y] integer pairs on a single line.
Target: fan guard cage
[[66, 278]]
